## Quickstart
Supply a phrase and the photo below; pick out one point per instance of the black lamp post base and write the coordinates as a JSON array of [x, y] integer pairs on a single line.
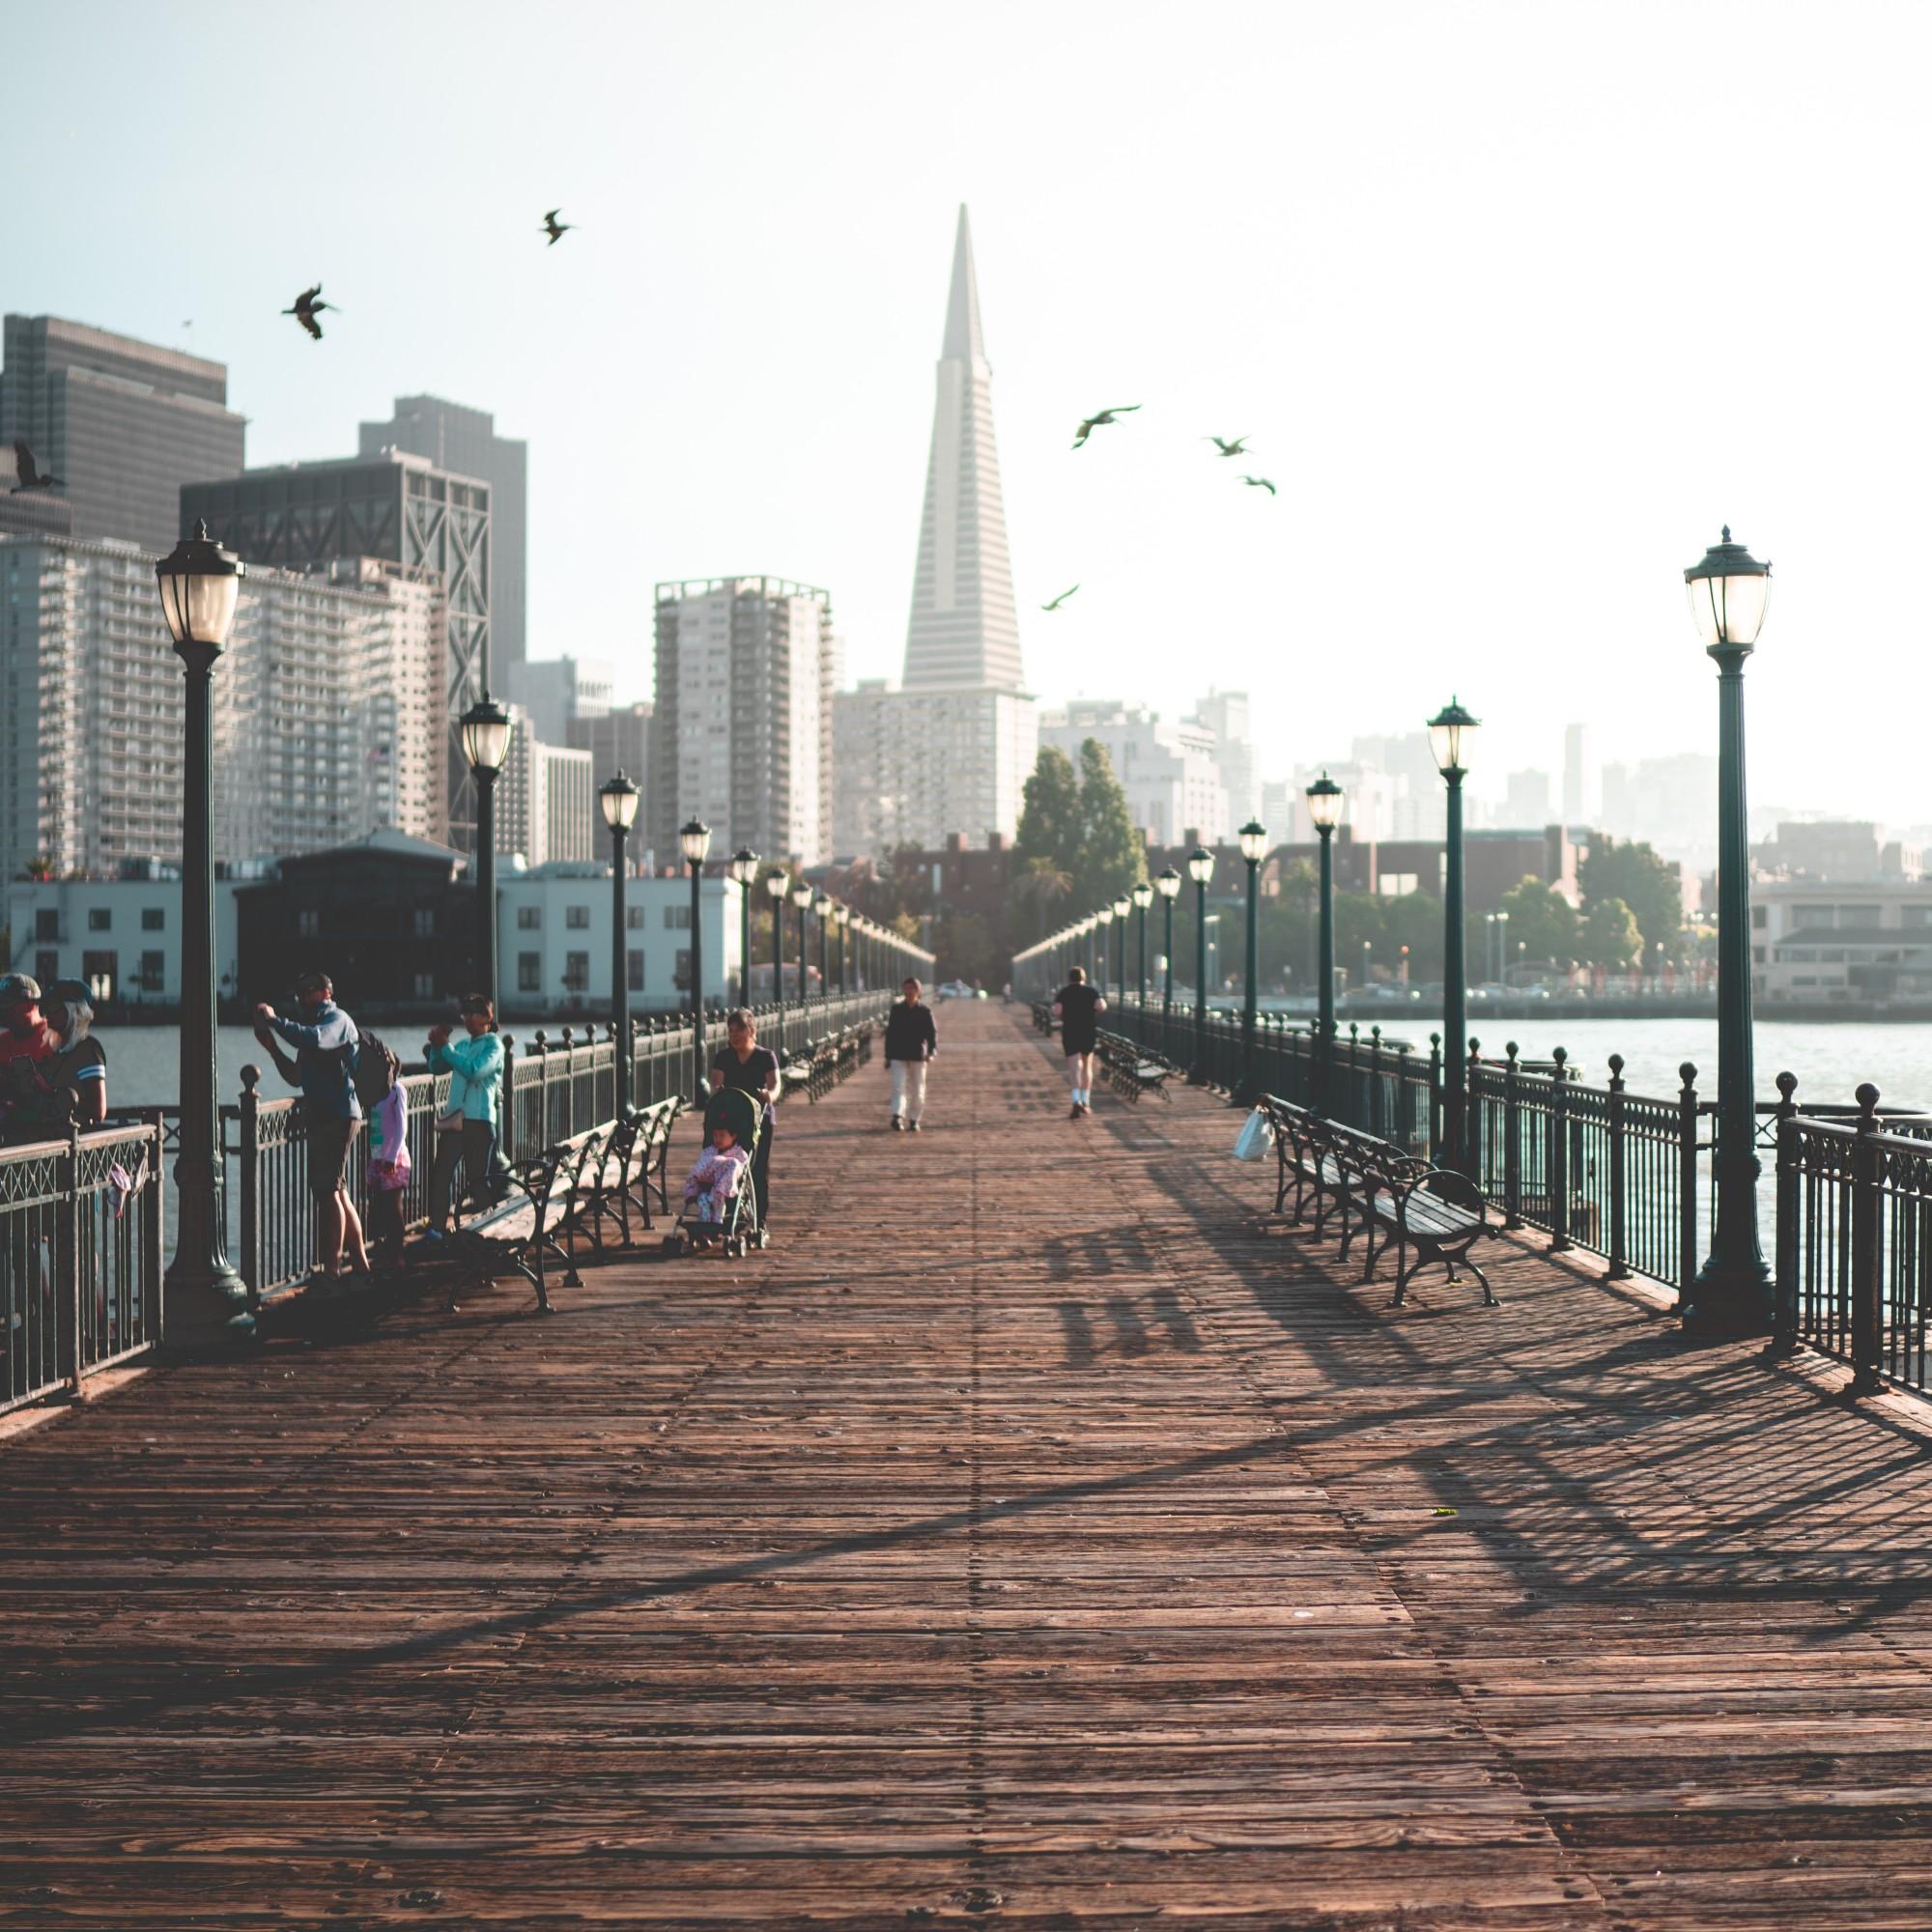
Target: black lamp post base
[[206, 1313], [1729, 1302]]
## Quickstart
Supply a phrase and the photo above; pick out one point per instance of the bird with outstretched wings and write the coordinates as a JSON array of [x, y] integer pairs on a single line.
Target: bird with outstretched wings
[[31, 476], [308, 305], [1238, 447], [1099, 418], [1259, 483], [556, 230], [1060, 599]]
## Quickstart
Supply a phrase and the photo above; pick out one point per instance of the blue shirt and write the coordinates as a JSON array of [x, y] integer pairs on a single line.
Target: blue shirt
[[325, 1059]]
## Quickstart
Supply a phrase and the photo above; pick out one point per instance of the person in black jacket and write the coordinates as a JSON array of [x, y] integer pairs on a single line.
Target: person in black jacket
[[911, 1040]]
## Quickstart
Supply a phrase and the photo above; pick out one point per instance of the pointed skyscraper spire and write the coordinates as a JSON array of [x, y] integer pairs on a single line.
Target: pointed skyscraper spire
[[964, 633]]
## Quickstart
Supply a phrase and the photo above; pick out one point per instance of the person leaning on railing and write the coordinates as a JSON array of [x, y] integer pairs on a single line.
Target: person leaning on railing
[[467, 1128], [40, 1095]]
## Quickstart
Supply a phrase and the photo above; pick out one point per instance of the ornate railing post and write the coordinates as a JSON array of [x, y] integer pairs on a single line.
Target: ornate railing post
[[1434, 1094], [541, 1045], [1867, 1205], [68, 1344], [1472, 1115], [1374, 1111], [1784, 1245], [1686, 1181], [250, 1156], [506, 1090], [1559, 1154], [1619, 1265], [1512, 1139]]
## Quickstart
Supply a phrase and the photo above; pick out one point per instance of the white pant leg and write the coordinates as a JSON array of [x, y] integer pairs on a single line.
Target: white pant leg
[[899, 1070], [915, 1088]]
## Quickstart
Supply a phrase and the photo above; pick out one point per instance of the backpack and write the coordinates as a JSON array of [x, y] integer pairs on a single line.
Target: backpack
[[376, 1071]]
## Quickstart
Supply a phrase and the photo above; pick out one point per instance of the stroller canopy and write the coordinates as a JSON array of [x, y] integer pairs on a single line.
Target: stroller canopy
[[742, 1112]]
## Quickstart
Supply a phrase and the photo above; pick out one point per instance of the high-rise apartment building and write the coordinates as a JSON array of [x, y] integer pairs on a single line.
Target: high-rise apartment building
[[1228, 715], [124, 424], [951, 750], [327, 716], [618, 740], [742, 731], [395, 508], [555, 690], [1582, 793], [546, 799], [464, 442], [1168, 768]]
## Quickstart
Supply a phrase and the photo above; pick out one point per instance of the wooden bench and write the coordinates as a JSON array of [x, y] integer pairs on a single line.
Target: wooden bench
[[526, 1230], [1132, 1070], [628, 1172], [1369, 1188]]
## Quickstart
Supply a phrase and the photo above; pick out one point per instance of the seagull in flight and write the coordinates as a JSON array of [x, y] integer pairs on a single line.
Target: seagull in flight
[[1259, 483], [1238, 447], [1101, 417], [1059, 600], [31, 476], [556, 230], [307, 308]]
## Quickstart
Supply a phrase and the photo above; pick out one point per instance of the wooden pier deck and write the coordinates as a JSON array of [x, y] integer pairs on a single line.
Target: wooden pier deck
[[1025, 1539]]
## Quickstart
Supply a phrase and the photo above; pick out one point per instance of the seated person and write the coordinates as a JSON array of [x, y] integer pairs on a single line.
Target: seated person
[[712, 1183]]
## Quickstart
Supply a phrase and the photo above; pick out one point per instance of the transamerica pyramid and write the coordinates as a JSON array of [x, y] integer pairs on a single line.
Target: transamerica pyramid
[[964, 634]]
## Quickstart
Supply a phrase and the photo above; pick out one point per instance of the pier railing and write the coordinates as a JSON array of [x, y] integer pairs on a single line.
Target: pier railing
[[80, 1257]]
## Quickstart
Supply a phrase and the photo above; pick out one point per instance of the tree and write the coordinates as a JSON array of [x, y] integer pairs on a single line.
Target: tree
[[1542, 923], [1648, 887], [1113, 855], [1611, 938], [1050, 826], [1039, 888]]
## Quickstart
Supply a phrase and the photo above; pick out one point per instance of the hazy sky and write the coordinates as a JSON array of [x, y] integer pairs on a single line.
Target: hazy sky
[[1518, 303]]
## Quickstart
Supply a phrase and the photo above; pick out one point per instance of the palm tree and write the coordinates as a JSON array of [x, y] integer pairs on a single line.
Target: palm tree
[[1041, 883]]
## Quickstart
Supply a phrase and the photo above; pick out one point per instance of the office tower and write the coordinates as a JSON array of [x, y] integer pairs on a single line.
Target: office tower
[[1527, 799], [618, 740], [546, 799], [123, 424], [1168, 768], [554, 691], [951, 750], [1229, 716], [401, 509], [464, 442], [1582, 796], [742, 732], [328, 721]]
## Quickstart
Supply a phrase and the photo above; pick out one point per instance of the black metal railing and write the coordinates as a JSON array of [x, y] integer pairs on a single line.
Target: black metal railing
[[80, 1257]]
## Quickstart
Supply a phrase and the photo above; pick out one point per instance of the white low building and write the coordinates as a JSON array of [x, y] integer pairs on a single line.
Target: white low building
[[1168, 768], [119, 936], [1812, 942], [554, 952]]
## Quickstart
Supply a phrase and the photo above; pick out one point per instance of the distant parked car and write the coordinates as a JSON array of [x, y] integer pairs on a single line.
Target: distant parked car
[[956, 989]]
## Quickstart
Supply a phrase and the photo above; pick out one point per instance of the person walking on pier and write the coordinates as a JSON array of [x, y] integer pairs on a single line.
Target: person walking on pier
[[1078, 1007], [327, 1042], [755, 1068], [912, 1043]]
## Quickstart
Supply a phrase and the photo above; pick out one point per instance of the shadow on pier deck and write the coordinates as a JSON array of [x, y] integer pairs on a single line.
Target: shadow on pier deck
[[1025, 1539]]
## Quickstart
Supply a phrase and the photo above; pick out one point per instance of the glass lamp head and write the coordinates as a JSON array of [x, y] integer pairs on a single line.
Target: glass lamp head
[[1142, 895], [694, 841], [200, 583], [1201, 864], [774, 884], [486, 734], [1451, 736], [1121, 905], [1254, 839], [1168, 885], [801, 895], [1729, 590], [1325, 803], [618, 797], [1105, 917], [745, 866]]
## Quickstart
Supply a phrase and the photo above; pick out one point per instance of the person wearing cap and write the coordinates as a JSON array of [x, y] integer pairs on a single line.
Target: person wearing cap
[[325, 1041], [68, 1083], [23, 1026], [468, 1127]]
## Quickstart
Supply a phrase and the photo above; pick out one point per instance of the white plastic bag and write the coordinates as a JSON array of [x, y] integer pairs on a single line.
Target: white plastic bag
[[1255, 1138]]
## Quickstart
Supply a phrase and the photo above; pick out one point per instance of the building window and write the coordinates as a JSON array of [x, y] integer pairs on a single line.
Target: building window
[[308, 924], [576, 917], [633, 970], [530, 919], [46, 927], [425, 922], [46, 967], [681, 973], [154, 973], [634, 917], [99, 918], [99, 969], [154, 919], [529, 971], [677, 918], [425, 986], [576, 972]]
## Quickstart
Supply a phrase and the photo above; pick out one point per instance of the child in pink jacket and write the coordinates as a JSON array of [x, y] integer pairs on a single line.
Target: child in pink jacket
[[714, 1181]]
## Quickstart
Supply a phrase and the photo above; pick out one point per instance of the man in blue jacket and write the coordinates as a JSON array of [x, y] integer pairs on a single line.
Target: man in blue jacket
[[325, 1041]]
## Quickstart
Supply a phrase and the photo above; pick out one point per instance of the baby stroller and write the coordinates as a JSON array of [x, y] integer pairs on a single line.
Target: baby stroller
[[737, 1230]]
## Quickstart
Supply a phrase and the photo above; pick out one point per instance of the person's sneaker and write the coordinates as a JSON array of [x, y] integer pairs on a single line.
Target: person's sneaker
[[898, 1125], [1075, 1113], [913, 1125]]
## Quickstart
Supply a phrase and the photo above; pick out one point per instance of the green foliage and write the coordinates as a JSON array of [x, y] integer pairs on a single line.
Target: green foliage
[[1649, 888], [1610, 936], [1049, 826], [1076, 848], [963, 946], [1541, 924], [1112, 856]]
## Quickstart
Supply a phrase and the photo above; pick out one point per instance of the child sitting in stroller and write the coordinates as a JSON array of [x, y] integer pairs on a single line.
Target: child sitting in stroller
[[712, 1185]]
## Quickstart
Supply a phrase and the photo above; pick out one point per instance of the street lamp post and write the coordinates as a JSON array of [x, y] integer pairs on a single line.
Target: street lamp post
[[1168, 885], [844, 918], [485, 729], [1122, 906], [822, 907], [1325, 808], [207, 1301], [695, 842], [801, 899], [1452, 733], [1104, 921], [775, 888], [1200, 868], [1254, 840], [618, 797], [1729, 589], [1143, 897], [745, 869]]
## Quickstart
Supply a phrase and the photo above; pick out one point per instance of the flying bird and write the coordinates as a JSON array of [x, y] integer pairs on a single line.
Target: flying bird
[[555, 228], [1259, 483], [1238, 447], [1101, 417], [31, 477], [307, 308], [1059, 600]]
